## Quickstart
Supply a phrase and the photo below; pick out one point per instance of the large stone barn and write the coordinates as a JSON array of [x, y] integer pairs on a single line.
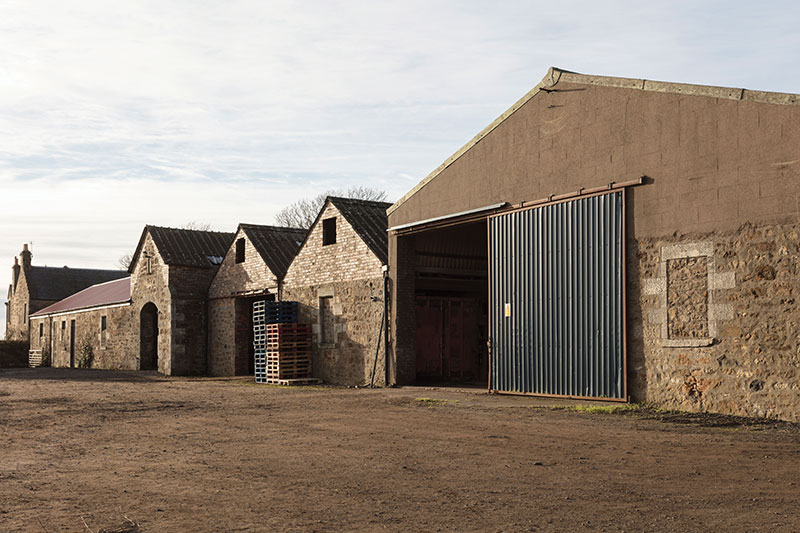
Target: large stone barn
[[338, 279], [610, 238], [33, 288], [171, 272], [91, 328], [252, 270]]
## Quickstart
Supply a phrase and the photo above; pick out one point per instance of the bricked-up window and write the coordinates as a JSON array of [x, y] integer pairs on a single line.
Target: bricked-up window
[[326, 320], [329, 231], [240, 250], [687, 298], [63, 328]]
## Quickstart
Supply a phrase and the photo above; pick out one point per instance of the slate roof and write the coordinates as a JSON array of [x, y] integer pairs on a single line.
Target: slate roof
[[53, 283], [369, 220], [277, 246], [108, 293], [187, 247]]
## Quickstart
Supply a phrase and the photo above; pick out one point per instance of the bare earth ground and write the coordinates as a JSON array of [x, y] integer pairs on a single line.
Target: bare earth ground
[[84, 450]]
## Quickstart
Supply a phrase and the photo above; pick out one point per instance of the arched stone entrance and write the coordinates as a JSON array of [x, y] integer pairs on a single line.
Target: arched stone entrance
[[148, 337]]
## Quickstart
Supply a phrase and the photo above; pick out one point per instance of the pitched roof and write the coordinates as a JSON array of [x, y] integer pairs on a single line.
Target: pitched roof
[[108, 293], [277, 246], [369, 220], [556, 75], [53, 283], [186, 247]]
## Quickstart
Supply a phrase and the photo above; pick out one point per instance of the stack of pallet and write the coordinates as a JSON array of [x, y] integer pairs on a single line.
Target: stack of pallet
[[282, 347], [288, 352], [280, 312]]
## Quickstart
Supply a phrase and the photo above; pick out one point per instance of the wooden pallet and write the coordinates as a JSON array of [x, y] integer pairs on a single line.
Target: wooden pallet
[[34, 358], [292, 381]]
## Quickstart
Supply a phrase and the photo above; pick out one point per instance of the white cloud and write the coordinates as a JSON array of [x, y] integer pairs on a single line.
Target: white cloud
[[117, 114]]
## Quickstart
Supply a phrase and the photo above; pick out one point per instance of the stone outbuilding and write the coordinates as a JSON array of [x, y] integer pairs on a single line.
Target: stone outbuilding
[[338, 279], [91, 328], [33, 288], [171, 272], [613, 238], [252, 269]]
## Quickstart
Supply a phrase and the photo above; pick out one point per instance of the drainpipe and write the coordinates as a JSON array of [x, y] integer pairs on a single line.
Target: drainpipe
[[386, 325], [380, 331]]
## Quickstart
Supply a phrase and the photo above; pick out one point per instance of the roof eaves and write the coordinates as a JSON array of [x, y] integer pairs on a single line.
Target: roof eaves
[[555, 75]]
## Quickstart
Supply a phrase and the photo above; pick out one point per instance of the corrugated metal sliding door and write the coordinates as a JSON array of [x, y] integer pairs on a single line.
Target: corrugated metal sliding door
[[557, 299]]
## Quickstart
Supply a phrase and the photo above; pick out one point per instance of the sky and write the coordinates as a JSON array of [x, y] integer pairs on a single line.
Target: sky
[[114, 115]]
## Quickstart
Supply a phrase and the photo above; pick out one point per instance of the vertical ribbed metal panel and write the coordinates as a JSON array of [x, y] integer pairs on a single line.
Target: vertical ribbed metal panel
[[559, 268]]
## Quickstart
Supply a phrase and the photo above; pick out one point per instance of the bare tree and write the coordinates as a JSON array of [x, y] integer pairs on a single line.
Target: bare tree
[[302, 213], [198, 226], [124, 261]]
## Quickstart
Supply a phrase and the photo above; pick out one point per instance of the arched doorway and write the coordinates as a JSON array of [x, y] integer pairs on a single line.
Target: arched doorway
[[148, 338]]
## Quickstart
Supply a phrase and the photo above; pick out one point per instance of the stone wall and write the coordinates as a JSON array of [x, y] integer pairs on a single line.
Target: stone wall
[[343, 271], [221, 337], [232, 278], [348, 259], [17, 325], [153, 287], [713, 321], [189, 290], [117, 348], [349, 358]]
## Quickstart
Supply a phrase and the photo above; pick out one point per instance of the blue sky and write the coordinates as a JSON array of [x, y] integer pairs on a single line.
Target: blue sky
[[114, 115]]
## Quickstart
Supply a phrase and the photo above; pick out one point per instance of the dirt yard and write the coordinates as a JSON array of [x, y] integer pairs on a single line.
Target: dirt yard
[[84, 450]]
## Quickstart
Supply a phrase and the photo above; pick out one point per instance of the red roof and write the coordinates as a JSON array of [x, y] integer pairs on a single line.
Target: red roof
[[108, 293]]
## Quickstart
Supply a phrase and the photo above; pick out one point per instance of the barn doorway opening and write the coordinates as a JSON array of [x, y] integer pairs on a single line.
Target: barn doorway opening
[[148, 337], [451, 305], [244, 363]]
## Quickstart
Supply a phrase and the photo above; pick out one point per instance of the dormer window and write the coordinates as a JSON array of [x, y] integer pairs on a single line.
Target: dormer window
[[240, 250], [329, 231]]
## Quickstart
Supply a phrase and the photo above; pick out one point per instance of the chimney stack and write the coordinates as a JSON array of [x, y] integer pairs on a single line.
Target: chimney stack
[[26, 257], [15, 274]]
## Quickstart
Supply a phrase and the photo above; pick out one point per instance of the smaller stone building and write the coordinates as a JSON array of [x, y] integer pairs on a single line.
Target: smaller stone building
[[33, 288], [171, 271], [92, 328], [338, 278], [253, 269]]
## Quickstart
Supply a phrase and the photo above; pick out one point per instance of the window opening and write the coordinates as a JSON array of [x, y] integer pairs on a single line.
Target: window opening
[[240, 250], [329, 231]]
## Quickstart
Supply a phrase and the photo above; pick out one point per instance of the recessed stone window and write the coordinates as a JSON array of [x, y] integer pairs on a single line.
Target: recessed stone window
[[687, 279], [326, 321]]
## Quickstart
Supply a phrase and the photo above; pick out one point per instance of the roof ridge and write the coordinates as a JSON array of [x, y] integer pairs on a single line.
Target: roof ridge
[[269, 227], [151, 226], [61, 268], [358, 200]]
